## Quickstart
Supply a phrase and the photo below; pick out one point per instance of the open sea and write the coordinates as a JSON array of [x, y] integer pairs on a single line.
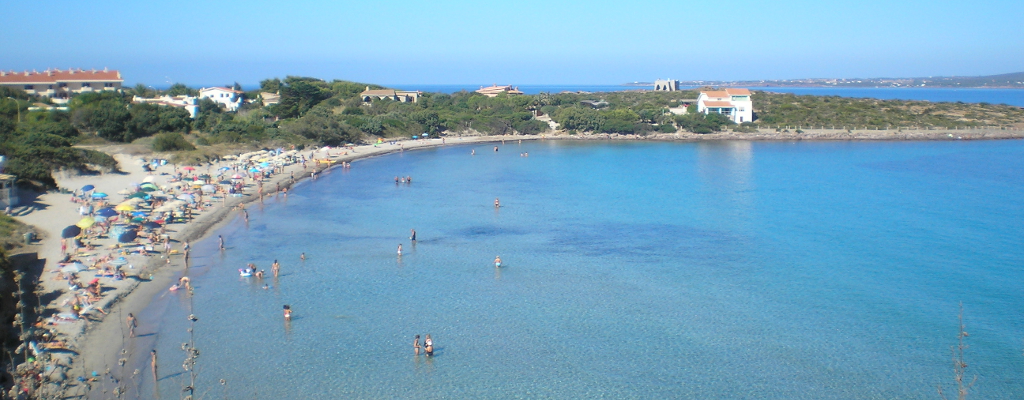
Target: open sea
[[777, 270]]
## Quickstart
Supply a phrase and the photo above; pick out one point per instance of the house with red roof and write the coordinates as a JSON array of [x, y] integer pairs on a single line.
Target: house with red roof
[[60, 85], [731, 102]]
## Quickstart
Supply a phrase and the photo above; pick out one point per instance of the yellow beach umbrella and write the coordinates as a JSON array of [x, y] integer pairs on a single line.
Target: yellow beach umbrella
[[86, 222], [124, 207]]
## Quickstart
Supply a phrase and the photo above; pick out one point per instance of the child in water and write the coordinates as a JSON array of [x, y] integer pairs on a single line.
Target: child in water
[[287, 312]]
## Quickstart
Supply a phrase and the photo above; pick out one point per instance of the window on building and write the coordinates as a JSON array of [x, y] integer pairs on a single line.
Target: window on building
[[62, 84], [86, 85], [28, 87]]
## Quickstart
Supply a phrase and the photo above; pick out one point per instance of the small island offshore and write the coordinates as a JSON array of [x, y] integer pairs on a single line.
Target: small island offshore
[[79, 136]]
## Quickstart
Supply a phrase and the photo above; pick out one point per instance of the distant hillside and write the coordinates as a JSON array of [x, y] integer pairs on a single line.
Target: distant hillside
[[1011, 80]]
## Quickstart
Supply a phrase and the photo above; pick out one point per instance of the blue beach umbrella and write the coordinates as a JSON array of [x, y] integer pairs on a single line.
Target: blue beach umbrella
[[106, 212], [99, 195], [70, 232], [127, 237], [87, 188], [140, 214]]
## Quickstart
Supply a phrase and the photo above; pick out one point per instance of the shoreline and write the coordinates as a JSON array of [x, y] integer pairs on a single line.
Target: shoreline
[[98, 352], [96, 341]]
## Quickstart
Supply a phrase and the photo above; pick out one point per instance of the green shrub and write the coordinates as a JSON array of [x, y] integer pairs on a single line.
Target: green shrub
[[171, 141]]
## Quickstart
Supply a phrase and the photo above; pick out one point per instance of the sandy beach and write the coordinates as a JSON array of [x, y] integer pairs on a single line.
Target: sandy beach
[[99, 341]]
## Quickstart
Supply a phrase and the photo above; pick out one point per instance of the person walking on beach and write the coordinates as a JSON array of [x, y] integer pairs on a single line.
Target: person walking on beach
[[132, 324], [416, 345]]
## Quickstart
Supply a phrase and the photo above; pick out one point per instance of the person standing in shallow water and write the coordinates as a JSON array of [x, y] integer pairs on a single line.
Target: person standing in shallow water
[[416, 345], [287, 312], [412, 237], [428, 345], [399, 249], [276, 268]]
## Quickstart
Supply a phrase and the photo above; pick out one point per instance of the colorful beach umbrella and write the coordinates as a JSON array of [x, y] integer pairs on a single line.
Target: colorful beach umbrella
[[189, 169], [99, 195], [140, 214], [138, 195], [128, 237], [87, 188], [106, 212], [86, 222], [124, 207], [70, 232], [209, 188]]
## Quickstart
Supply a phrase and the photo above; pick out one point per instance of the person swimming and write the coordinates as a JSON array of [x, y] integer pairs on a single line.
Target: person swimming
[[497, 261], [497, 203], [302, 256]]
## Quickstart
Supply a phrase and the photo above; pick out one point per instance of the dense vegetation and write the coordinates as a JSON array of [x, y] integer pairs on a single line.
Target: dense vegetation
[[41, 141], [775, 109]]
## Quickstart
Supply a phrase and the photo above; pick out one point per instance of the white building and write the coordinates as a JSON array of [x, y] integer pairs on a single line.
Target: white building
[[189, 103], [230, 98], [731, 102]]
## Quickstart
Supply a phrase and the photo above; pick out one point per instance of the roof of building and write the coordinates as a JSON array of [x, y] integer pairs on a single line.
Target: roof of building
[[495, 89], [7, 177], [221, 88], [378, 92], [57, 75], [727, 92], [718, 104], [269, 96]]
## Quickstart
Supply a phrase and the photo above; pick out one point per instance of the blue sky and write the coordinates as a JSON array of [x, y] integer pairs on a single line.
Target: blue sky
[[520, 42]]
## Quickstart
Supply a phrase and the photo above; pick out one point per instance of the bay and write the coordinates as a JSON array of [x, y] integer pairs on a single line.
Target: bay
[[633, 270]]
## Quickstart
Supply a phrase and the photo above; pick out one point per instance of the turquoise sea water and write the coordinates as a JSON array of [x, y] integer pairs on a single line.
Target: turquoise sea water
[[634, 270]]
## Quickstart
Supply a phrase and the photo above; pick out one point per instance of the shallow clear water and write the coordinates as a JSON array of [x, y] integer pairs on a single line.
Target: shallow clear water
[[633, 270]]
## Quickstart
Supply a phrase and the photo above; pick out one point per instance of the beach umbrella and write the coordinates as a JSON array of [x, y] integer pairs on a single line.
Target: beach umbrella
[[209, 188], [150, 225], [100, 218], [148, 185], [186, 197], [70, 232], [140, 214], [138, 195], [147, 189], [119, 262], [106, 212], [189, 169], [204, 176], [127, 237], [87, 188], [225, 168], [254, 170], [225, 182], [73, 268], [264, 164], [137, 220], [99, 195], [86, 222], [236, 176], [124, 207], [149, 179]]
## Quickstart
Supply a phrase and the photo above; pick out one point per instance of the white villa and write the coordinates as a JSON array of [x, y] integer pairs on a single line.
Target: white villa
[[59, 85], [189, 103], [230, 98], [731, 102]]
